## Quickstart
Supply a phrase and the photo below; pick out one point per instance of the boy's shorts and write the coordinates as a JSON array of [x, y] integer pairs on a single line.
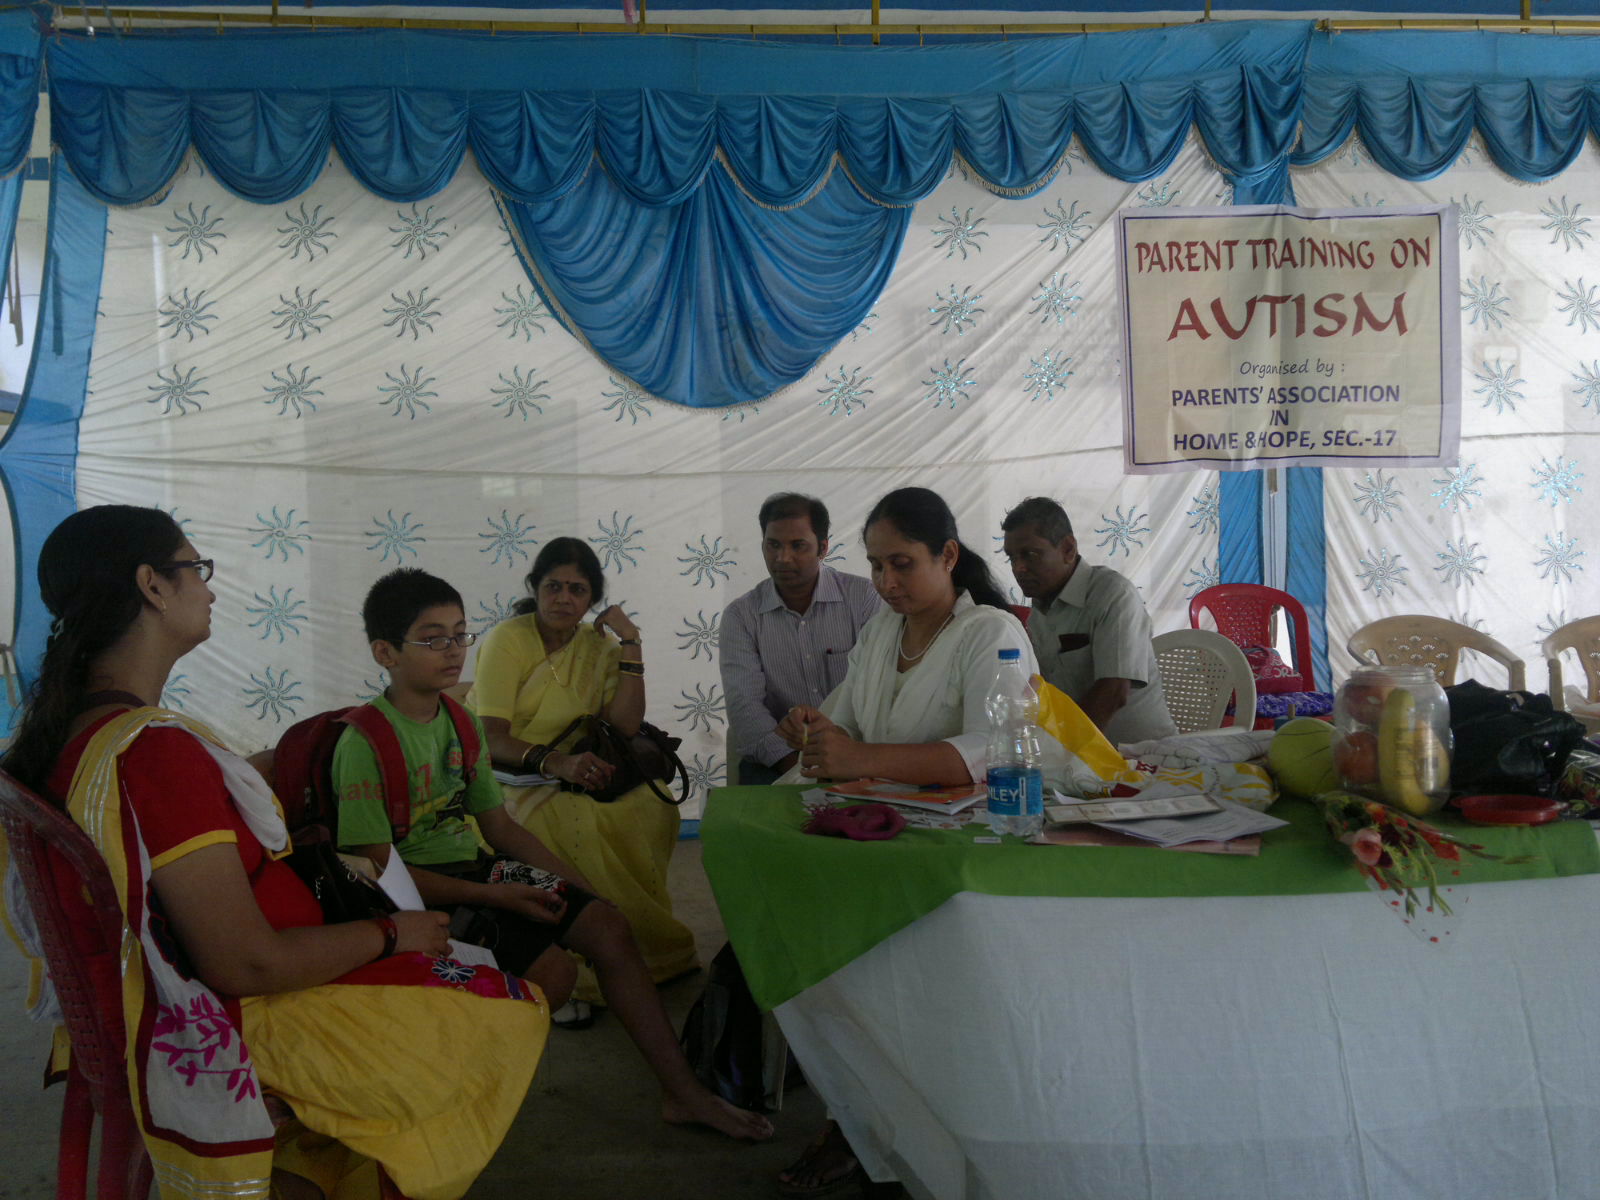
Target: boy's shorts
[[516, 941]]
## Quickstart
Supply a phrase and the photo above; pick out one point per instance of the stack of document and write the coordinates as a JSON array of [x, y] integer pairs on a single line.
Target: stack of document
[[1222, 820]]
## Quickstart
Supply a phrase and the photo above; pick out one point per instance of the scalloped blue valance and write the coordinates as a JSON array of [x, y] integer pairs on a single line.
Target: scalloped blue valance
[[718, 157], [1415, 98]]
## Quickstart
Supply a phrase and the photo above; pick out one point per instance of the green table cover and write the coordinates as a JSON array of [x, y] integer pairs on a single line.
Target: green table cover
[[798, 907]]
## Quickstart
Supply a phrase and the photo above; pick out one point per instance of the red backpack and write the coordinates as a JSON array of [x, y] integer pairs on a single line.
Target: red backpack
[[302, 767]]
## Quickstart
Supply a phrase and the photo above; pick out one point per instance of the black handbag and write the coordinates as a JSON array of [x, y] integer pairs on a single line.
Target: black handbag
[[343, 894], [649, 757], [1508, 741]]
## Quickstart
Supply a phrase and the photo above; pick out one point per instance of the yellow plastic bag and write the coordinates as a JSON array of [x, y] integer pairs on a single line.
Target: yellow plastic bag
[[1062, 719]]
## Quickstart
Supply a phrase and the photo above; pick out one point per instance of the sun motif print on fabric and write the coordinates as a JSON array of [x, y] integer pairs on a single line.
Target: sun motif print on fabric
[[419, 232], [186, 314], [1499, 390], [409, 391], [280, 534], [292, 390], [1565, 225], [276, 614], [1559, 562], [520, 393], [1065, 226], [1047, 375], [1152, 195], [1552, 622], [1378, 497], [1472, 223], [176, 692], [410, 315], [522, 314], [302, 316], [371, 689], [1225, 195], [1588, 390], [1057, 299], [1367, 200], [1122, 531], [491, 612], [740, 412], [194, 232], [846, 393], [394, 536], [1458, 562], [705, 773], [1582, 306], [700, 634], [183, 521], [1382, 573], [956, 313], [1354, 154], [307, 233], [865, 328], [949, 383], [960, 232], [1462, 618], [836, 549], [1206, 515], [615, 543], [1556, 481], [1458, 487], [702, 709], [177, 393], [1207, 574], [273, 695], [1484, 301], [708, 563], [629, 400], [507, 538]]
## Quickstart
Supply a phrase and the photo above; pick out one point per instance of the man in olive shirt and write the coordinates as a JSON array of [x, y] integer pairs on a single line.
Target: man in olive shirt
[[1089, 628]]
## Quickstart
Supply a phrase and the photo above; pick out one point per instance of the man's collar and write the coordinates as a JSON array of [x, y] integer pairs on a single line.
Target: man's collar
[[827, 591], [1075, 591]]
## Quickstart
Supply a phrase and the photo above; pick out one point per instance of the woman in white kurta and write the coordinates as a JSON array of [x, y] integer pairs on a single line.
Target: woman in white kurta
[[911, 706]]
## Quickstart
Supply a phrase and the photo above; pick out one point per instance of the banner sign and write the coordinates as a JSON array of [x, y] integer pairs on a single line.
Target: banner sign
[[1272, 336]]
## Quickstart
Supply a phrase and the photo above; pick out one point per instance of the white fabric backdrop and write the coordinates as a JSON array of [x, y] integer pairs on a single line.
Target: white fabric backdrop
[[1504, 540], [326, 390]]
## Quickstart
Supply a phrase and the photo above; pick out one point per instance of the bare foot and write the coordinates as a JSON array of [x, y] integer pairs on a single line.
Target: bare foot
[[702, 1107], [827, 1166]]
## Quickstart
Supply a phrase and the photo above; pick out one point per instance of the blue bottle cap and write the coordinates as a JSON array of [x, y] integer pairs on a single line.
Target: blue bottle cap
[[1010, 655]]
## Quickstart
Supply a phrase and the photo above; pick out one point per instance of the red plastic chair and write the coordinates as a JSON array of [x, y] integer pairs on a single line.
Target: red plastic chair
[[49, 851], [1243, 613]]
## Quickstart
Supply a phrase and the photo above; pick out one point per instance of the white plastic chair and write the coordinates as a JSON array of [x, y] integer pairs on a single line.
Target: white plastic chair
[[1423, 641], [1200, 670], [1582, 637]]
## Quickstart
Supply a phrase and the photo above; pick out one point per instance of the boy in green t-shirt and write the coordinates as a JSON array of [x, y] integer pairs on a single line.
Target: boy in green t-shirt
[[417, 626]]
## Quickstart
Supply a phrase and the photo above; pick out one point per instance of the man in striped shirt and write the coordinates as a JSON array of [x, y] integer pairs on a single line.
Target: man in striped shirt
[[785, 642]]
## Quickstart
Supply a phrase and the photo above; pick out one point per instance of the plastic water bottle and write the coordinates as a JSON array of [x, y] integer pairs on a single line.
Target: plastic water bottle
[[1016, 786]]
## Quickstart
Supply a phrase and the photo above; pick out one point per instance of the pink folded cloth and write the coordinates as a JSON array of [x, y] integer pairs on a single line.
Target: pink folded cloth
[[859, 822]]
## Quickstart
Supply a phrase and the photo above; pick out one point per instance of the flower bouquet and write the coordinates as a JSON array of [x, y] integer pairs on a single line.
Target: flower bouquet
[[1396, 852]]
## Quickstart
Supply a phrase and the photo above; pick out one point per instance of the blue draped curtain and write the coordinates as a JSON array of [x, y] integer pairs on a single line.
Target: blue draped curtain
[[745, 202]]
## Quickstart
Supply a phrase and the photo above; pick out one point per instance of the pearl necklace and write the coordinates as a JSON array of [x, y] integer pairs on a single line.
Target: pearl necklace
[[911, 658]]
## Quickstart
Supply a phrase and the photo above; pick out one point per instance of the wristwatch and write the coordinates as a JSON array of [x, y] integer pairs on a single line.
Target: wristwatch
[[633, 641]]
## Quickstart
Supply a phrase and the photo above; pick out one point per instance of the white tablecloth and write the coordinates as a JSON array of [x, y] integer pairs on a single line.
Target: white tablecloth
[[1304, 1047]]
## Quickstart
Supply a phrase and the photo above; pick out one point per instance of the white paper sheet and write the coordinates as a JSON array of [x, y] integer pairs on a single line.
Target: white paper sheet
[[398, 885]]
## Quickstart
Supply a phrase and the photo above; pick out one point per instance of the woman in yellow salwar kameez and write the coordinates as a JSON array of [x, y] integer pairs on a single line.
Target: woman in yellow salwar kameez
[[231, 985], [537, 671]]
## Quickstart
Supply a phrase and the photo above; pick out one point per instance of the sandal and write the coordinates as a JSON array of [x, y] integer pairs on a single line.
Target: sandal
[[574, 1015], [840, 1169]]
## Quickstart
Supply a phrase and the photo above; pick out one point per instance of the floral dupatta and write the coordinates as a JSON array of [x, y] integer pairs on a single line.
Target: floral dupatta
[[194, 1087]]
